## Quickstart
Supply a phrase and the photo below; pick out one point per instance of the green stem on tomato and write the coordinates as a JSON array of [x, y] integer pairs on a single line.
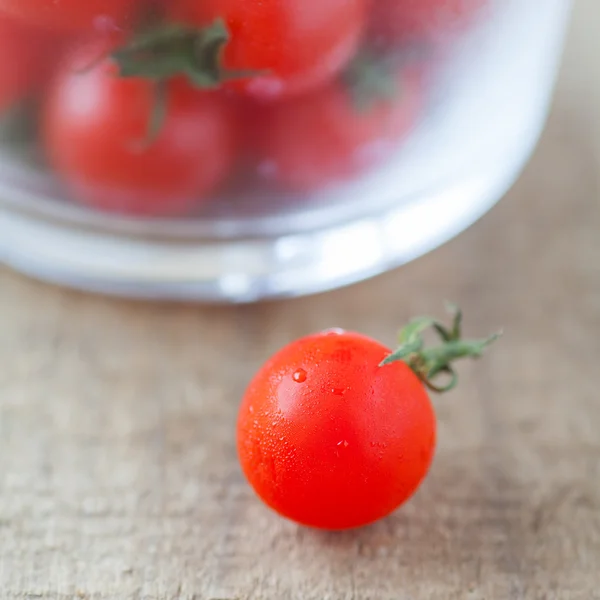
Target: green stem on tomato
[[174, 49], [373, 73], [370, 78], [429, 363], [170, 50]]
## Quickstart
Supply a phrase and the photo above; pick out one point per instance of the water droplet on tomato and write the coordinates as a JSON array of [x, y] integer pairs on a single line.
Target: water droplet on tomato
[[300, 376], [338, 391], [343, 443], [334, 331]]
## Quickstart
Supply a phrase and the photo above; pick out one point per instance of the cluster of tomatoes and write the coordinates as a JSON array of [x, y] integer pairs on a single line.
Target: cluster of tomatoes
[[148, 106]]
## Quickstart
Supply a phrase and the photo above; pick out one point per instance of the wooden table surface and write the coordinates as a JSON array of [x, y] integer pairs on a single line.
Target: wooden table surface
[[118, 473]]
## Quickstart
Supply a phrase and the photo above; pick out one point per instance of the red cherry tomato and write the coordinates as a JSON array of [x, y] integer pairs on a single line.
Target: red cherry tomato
[[309, 142], [330, 439], [102, 15], [95, 129], [423, 19], [335, 431], [26, 60], [297, 45]]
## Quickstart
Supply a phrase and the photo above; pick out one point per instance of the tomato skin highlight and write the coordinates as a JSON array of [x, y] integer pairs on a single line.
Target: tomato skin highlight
[[328, 438], [95, 132], [324, 138], [296, 47], [73, 15]]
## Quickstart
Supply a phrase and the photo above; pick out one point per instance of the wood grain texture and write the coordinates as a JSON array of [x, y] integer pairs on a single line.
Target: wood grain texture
[[118, 475]]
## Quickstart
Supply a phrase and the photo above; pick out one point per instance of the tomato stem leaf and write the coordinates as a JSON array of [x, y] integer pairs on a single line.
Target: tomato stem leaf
[[429, 363], [370, 79], [158, 113], [173, 49]]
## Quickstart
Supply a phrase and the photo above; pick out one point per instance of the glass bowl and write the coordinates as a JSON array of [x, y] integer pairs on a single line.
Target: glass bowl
[[403, 137]]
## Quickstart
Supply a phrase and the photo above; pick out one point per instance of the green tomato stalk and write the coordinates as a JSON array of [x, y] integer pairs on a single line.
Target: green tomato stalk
[[165, 51], [173, 49], [429, 363]]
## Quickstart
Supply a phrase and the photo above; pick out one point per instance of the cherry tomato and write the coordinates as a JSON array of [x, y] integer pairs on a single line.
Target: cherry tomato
[[330, 439], [296, 46], [26, 60], [307, 143], [95, 129], [102, 15], [423, 19], [335, 431]]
